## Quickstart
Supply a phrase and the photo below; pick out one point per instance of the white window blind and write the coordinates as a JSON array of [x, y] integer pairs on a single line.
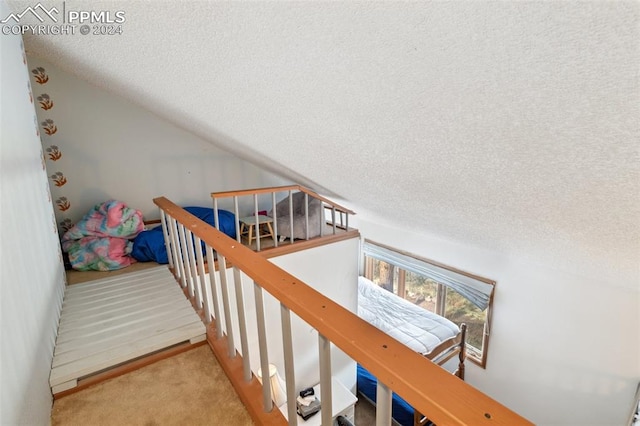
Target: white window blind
[[476, 291]]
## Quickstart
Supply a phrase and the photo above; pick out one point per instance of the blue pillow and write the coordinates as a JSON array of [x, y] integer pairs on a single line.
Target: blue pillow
[[149, 246]]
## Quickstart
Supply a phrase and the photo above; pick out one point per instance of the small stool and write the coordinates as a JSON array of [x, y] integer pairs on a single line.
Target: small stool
[[248, 224]]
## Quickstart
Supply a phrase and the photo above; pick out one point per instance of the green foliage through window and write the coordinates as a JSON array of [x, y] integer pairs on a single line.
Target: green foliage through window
[[437, 298]]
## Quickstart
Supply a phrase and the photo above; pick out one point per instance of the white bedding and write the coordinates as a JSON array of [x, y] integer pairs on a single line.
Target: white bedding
[[410, 324]]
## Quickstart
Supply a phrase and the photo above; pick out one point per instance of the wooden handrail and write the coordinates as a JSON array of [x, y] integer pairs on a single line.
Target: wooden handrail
[[424, 385], [245, 192], [326, 200]]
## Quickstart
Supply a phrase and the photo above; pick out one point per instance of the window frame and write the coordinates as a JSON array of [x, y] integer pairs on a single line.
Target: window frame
[[476, 356]]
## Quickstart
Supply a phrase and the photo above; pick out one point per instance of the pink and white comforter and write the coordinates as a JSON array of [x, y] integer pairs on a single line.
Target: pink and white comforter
[[102, 239]]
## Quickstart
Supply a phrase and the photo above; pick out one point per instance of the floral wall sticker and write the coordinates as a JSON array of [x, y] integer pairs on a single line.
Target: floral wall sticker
[[42, 96], [45, 102], [54, 153], [66, 224], [40, 75], [49, 126], [59, 179], [63, 204]]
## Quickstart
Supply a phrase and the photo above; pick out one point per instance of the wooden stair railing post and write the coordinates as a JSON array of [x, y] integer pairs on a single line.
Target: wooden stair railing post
[[175, 231], [306, 215], [242, 323], [424, 385], [193, 288], [202, 279], [185, 258], [165, 235], [275, 219], [324, 353], [175, 248], [262, 344], [290, 379], [291, 215], [383, 404], [333, 219], [326, 203], [222, 268], [257, 221], [236, 212], [213, 286]]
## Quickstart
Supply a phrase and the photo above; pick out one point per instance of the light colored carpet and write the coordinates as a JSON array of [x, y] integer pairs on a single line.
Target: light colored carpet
[[187, 389]]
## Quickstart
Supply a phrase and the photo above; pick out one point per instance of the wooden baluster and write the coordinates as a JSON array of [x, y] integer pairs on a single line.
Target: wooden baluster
[[255, 212], [275, 220], [383, 405], [167, 241], [306, 215], [185, 259], [324, 347], [287, 345], [236, 211], [262, 345], [213, 282], [175, 246], [242, 323], [222, 267], [205, 296], [193, 287], [291, 215], [333, 219]]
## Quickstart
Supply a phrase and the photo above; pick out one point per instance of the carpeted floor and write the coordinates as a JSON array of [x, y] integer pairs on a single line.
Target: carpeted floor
[[168, 392], [187, 389]]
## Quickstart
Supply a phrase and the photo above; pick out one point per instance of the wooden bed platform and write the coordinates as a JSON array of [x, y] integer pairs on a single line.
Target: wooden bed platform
[[108, 322]]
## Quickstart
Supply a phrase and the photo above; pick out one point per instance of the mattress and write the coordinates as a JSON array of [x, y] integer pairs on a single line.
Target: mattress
[[410, 324]]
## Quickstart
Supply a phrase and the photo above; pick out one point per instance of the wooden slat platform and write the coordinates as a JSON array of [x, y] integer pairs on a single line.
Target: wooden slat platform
[[107, 322]]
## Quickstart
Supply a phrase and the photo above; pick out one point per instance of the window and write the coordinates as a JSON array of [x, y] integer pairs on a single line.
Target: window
[[456, 295]]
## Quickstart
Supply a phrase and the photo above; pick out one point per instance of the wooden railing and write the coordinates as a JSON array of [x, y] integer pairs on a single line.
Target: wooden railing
[[267, 199], [430, 389]]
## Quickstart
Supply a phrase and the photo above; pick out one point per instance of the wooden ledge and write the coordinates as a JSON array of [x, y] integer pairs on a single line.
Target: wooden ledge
[[287, 248], [128, 367], [250, 392]]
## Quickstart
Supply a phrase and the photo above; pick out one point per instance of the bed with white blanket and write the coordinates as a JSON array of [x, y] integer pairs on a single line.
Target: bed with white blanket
[[427, 333]]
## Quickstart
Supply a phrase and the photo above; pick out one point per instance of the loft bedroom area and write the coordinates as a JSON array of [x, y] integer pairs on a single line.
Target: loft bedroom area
[[297, 218], [212, 293], [494, 142]]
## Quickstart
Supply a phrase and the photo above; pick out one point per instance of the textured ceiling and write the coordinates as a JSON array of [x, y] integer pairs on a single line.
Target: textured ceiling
[[508, 126]]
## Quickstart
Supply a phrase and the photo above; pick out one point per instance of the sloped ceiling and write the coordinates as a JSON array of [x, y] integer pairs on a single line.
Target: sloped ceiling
[[512, 126]]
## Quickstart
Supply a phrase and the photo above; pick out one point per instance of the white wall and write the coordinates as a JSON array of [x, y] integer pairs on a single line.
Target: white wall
[[112, 148], [339, 283], [564, 347], [32, 274]]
